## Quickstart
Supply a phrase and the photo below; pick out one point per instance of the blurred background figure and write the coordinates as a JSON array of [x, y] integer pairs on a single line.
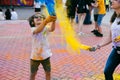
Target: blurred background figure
[[87, 20], [14, 15], [71, 9], [37, 5], [7, 14], [64, 1], [107, 4], [2, 16], [82, 7], [100, 5]]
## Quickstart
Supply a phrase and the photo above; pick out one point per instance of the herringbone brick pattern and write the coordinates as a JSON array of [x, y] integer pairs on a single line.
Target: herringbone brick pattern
[[15, 48]]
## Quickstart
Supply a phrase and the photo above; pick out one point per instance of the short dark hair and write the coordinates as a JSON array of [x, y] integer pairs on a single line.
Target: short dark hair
[[31, 21]]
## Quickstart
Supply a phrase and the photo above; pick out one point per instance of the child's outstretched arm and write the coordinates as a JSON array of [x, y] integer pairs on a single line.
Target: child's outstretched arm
[[42, 25]]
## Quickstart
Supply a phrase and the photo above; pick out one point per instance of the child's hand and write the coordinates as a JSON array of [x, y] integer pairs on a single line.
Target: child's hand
[[117, 39], [92, 49], [50, 19]]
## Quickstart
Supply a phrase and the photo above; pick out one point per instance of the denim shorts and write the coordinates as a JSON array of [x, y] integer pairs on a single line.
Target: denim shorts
[[34, 64], [99, 19]]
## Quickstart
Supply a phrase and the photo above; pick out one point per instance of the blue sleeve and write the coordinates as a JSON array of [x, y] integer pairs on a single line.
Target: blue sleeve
[[50, 4]]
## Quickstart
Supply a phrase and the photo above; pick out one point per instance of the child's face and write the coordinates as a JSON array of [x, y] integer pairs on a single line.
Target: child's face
[[38, 19]]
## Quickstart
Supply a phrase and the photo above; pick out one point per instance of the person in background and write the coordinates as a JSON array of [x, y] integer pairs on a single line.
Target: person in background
[[14, 15], [101, 13], [2, 16], [87, 20], [95, 13], [8, 14], [71, 9], [107, 3], [37, 6], [82, 7]]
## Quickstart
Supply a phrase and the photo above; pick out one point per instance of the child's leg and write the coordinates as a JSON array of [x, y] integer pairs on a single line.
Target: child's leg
[[47, 68], [33, 67], [32, 76], [48, 75]]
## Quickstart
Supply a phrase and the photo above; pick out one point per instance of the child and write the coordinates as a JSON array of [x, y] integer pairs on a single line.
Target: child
[[40, 48]]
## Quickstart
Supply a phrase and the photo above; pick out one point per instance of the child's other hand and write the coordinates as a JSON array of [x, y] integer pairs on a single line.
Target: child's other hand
[[92, 49]]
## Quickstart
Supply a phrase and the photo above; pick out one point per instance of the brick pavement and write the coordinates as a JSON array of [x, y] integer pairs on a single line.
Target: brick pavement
[[15, 47]]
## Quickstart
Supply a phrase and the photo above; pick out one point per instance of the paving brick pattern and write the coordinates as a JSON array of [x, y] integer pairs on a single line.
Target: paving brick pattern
[[15, 48]]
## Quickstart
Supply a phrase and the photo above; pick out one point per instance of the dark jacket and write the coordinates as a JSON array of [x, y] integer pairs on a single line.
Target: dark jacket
[[8, 14]]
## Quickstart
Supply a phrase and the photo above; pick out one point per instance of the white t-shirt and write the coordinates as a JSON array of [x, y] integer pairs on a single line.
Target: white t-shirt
[[115, 28], [39, 41], [14, 15], [2, 17]]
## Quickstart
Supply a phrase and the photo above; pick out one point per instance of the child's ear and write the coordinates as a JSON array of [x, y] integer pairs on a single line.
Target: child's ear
[[32, 24]]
